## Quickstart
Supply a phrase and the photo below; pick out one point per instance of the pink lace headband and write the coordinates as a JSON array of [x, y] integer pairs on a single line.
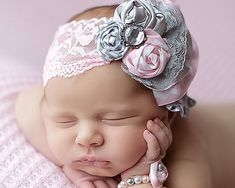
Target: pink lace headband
[[149, 36]]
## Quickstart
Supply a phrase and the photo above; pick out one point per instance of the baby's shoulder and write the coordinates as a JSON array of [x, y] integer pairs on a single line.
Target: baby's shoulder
[[27, 107], [28, 115], [31, 95]]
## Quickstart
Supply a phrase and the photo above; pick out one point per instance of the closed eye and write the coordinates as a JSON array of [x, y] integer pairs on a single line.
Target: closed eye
[[66, 124], [119, 118], [72, 121]]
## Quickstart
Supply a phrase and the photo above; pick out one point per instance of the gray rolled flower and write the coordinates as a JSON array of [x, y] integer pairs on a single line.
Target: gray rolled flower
[[141, 12], [110, 43]]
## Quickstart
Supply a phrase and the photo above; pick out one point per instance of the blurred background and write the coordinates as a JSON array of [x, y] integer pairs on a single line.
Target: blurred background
[[27, 28]]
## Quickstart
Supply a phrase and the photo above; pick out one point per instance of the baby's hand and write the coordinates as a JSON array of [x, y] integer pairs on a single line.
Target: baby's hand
[[84, 180], [158, 137]]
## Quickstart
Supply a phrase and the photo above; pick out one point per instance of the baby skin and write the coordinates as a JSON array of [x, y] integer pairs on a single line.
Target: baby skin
[[100, 126]]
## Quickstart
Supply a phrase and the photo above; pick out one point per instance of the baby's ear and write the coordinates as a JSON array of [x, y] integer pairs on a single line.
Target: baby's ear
[[168, 117], [171, 117]]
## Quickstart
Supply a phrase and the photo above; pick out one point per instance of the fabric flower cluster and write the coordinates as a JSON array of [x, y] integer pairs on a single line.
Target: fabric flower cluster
[[136, 40]]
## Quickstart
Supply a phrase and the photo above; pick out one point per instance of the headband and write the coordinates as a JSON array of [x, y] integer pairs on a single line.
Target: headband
[[149, 36]]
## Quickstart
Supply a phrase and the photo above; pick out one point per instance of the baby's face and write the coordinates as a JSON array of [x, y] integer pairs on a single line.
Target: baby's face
[[95, 121]]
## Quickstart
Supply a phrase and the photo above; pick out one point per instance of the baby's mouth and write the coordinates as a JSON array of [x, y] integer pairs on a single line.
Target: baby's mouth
[[92, 161]]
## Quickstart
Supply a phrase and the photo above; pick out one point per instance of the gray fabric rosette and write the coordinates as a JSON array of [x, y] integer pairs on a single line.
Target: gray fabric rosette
[[110, 43], [142, 13]]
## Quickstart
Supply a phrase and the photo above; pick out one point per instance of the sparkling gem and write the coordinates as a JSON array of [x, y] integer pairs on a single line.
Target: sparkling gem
[[161, 168], [134, 35], [161, 171]]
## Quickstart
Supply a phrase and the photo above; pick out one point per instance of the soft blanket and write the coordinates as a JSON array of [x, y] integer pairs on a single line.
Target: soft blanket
[[20, 164]]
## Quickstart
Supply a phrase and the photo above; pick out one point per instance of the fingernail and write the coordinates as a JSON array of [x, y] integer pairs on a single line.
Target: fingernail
[[156, 120], [150, 123], [146, 132]]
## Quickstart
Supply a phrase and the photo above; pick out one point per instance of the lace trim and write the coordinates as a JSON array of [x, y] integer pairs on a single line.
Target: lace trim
[[73, 50]]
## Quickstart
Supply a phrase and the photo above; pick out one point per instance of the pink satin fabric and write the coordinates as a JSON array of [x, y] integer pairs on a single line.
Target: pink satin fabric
[[179, 89], [149, 60]]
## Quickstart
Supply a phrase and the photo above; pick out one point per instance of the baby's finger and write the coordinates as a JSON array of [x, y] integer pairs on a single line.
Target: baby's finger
[[160, 135], [153, 148], [86, 184], [111, 183], [101, 184], [166, 128]]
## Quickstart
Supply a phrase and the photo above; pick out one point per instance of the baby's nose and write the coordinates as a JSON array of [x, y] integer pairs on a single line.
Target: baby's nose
[[89, 134]]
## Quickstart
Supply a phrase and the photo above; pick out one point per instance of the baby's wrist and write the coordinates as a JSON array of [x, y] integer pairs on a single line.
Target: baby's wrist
[[137, 170], [132, 173]]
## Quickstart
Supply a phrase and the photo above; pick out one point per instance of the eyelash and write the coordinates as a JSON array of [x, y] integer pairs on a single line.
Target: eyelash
[[119, 119], [65, 124], [118, 122], [65, 121]]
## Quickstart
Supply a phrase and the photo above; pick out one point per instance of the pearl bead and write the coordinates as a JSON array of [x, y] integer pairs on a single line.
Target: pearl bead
[[123, 184], [137, 180], [130, 181], [133, 180], [145, 179]]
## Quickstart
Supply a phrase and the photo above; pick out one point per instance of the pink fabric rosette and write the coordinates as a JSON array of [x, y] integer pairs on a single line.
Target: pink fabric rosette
[[149, 60]]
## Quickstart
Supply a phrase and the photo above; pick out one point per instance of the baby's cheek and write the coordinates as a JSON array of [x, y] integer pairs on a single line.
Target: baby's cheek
[[57, 145], [130, 150], [135, 154]]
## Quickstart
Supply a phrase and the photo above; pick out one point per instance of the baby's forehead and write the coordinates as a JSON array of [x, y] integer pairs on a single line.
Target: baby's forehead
[[105, 88]]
